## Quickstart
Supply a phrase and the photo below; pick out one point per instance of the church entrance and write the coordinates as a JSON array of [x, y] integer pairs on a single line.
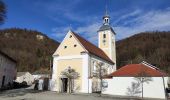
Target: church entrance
[[64, 84]]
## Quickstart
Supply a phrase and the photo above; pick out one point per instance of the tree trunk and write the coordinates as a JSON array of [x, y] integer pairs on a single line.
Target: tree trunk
[[142, 88], [68, 85]]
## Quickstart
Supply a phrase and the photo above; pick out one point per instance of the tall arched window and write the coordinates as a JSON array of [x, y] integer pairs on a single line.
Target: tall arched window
[[104, 36], [106, 20]]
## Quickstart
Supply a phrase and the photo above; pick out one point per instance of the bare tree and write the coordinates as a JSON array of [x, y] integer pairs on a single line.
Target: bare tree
[[71, 74], [134, 90], [99, 74], [142, 80], [143, 77], [2, 11]]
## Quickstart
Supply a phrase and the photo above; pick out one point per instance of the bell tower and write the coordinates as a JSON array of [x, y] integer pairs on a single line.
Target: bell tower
[[106, 38]]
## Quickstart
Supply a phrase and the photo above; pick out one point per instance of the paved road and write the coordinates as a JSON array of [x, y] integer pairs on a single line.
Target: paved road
[[28, 94]]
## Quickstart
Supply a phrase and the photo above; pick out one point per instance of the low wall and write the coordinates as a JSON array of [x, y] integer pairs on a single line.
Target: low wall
[[119, 85]]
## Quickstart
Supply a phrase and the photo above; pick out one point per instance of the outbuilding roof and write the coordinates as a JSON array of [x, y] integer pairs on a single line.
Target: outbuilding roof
[[137, 70]]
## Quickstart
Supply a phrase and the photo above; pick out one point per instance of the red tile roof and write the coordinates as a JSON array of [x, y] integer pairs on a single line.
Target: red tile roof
[[137, 70], [92, 49]]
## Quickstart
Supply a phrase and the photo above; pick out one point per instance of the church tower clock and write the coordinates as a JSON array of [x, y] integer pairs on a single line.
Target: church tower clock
[[106, 38]]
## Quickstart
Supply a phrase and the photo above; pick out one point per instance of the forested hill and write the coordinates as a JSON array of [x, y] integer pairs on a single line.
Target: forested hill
[[31, 49], [153, 47]]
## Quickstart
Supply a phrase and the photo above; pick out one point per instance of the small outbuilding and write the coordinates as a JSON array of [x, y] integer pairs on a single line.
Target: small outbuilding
[[141, 80], [7, 70]]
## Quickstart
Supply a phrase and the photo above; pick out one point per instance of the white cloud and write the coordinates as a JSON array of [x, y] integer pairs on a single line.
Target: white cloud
[[90, 31], [127, 15], [141, 22], [59, 33], [147, 21]]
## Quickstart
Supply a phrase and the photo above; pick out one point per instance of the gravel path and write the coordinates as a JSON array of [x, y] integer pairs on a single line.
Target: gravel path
[[28, 94]]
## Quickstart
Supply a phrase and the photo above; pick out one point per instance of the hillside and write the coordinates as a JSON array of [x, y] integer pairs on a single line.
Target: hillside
[[31, 49], [153, 47]]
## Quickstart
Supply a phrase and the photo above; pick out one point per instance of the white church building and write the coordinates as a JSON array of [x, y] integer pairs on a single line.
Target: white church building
[[77, 53]]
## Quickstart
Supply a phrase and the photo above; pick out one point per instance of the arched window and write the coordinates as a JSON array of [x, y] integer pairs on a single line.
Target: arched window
[[104, 36], [105, 20]]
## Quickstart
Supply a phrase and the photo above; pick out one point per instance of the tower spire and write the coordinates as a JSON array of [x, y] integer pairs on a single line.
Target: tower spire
[[106, 17], [106, 12]]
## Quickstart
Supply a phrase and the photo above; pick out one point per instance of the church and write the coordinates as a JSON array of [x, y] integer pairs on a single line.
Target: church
[[77, 53], [96, 69]]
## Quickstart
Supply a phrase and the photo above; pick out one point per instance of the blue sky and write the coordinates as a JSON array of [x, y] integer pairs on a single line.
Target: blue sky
[[54, 17]]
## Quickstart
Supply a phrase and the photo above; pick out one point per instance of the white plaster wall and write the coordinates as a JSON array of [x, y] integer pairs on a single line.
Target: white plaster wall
[[155, 88], [90, 86], [85, 81], [119, 85], [54, 77]]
